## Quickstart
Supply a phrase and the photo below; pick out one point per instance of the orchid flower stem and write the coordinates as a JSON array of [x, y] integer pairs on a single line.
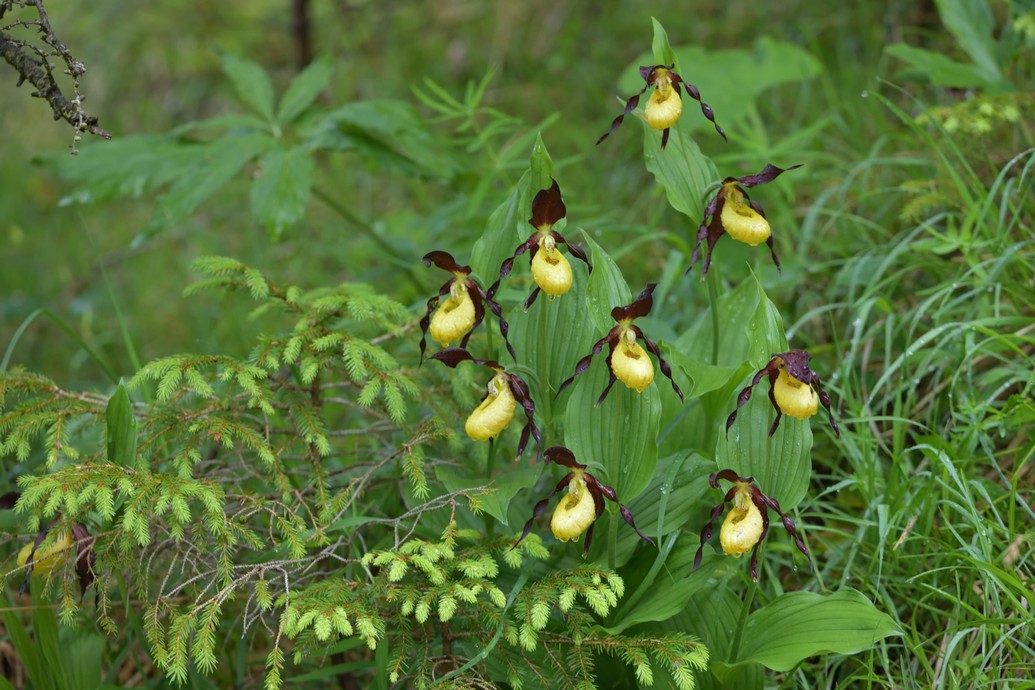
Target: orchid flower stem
[[612, 539], [544, 354], [745, 609], [713, 301], [488, 336], [490, 461]]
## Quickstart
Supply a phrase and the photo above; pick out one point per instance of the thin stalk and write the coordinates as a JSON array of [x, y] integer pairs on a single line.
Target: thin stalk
[[368, 230], [713, 301], [735, 645], [491, 459], [612, 540], [544, 357]]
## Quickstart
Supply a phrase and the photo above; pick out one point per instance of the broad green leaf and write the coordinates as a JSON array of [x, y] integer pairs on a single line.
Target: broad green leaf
[[251, 83], [29, 651], [121, 429], [607, 286], [503, 487], [500, 238], [781, 465], [972, 23], [798, 625], [941, 70], [702, 377], [667, 591], [620, 434], [216, 164], [712, 615], [767, 64], [750, 330], [391, 133], [551, 337], [660, 47], [303, 90], [126, 167], [674, 494], [681, 169], [240, 121], [281, 191], [677, 487], [541, 166]]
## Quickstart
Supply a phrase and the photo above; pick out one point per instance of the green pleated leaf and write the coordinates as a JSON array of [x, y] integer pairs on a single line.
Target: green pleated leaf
[[668, 503], [662, 592], [122, 429], [671, 501], [303, 90], [251, 83], [781, 465], [621, 434], [541, 166], [280, 193], [712, 615], [663, 53], [798, 625], [501, 236], [550, 338], [750, 331], [681, 169], [503, 487], [736, 307], [607, 286], [508, 226]]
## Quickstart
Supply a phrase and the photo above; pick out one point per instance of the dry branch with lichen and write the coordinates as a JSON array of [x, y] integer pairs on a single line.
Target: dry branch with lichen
[[32, 60]]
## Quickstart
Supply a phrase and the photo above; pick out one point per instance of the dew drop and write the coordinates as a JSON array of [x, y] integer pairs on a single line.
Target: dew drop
[[865, 94]]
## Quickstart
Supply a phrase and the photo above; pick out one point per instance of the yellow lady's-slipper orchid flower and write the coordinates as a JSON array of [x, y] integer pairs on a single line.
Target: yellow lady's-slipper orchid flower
[[454, 317], [796, 390], [504, 392], [459, 314], [575, 512], [665, 104], [747, 523], [627, 360], [580, 507], [742, 528], [551, 271], [732, 212], [46, 558]]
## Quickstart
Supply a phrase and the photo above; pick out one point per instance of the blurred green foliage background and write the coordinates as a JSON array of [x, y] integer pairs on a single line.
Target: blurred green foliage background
[[157, 67]]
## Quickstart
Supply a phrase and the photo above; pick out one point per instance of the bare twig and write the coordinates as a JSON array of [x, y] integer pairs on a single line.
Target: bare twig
[[33, 64]]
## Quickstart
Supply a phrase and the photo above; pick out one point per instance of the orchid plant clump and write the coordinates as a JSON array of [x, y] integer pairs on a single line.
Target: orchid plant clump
[[795, 390]]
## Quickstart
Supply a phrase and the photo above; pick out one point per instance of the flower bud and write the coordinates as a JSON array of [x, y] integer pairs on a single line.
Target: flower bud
[[575, 513], [631, 365], [794, 397], [664, 106], [742, 527], [494, 413], [47, 559], [453, 318], [744, 223], [551, 271]]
